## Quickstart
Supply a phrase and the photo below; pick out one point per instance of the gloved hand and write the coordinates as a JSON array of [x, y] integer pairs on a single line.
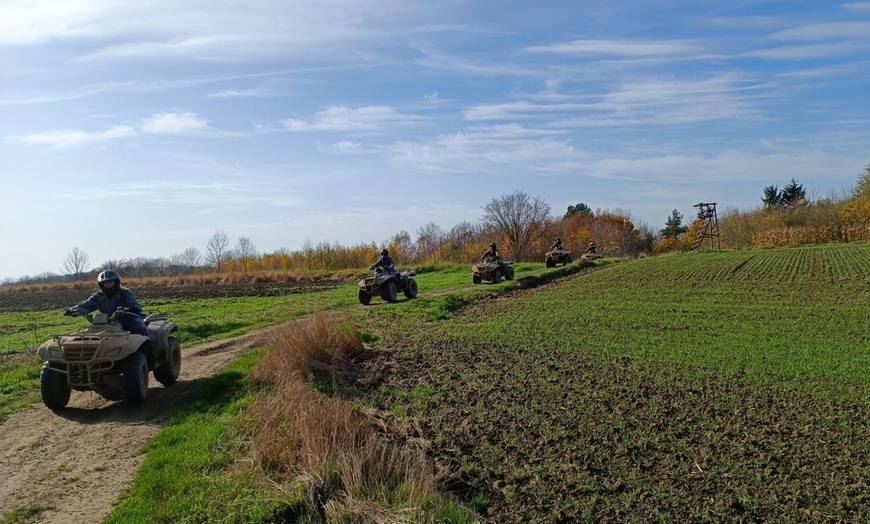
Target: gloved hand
[[122, 309], [71, 312]]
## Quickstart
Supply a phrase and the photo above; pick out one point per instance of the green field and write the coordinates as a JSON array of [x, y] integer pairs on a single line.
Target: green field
[[721, 387]]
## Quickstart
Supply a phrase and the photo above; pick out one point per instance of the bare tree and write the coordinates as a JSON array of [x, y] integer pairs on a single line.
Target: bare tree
[[190, 257], [519, 218], [217, 249], [246, 251], [76, 263], [430, 237]]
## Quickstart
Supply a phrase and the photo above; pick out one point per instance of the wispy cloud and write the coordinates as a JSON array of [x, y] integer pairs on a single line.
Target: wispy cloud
[[159, 124], [801, 52], [489, 150], [340, 118], [863, 7], [65, 138], [827, 31], [174, 124], [618, 48]]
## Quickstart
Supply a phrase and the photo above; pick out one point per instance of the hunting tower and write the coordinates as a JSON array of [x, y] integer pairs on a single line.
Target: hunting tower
[[709, 226]]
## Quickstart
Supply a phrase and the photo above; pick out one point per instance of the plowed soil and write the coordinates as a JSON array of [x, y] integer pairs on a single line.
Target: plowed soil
[[11, 301], [77, 461]]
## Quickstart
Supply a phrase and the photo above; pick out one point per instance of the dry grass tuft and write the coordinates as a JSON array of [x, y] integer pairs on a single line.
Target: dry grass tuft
[[349, 471]]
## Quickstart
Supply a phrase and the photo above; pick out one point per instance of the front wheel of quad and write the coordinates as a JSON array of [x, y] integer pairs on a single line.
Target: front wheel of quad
[[475, 278], [411, 288], [496, 276], [364, 298], [54, 388], [509, 275], [567, 260], [390, 293], [168, 373], [136, 378], [550, 262]]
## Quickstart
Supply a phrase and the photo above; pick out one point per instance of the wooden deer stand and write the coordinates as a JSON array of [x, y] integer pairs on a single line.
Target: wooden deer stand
[[709, 226]]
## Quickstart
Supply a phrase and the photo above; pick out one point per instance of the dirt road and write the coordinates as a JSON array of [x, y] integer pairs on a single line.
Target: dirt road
[[77, 461]]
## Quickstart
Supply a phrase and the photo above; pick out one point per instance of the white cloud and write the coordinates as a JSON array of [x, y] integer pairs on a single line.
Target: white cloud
[[618, 48], [73, 138], [832, 30], [862, 7], [340, 118], [499, 149], [803, 52], [174, 124]]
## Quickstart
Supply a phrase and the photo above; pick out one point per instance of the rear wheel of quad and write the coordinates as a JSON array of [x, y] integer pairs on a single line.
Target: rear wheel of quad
[[550, 262], [411, 288], [54, 388], [390, 293], [496, 276], [168, 373], [364, 298], [509, 274], [136, 378], [475, 278], [566, 260]]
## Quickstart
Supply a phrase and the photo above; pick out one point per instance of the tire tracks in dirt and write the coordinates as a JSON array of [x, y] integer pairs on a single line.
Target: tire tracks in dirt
[[77, 461]]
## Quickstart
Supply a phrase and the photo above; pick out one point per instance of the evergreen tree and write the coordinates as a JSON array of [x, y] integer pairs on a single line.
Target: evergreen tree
[[772, 197], [674, 226], [793, 194], [580, 209]]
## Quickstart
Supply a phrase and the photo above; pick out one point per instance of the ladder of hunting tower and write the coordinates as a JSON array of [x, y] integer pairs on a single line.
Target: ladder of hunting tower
[[709, 226]]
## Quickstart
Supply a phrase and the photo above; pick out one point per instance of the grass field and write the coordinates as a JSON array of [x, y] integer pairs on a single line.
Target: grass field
[[711, 387], [717, 387]]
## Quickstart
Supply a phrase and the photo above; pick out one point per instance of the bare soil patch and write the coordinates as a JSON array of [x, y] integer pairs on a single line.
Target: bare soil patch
[[77, 461]]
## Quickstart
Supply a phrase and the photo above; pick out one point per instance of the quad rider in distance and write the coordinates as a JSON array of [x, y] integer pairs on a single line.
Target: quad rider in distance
[[557, 245], [110, 298], [492, 253]]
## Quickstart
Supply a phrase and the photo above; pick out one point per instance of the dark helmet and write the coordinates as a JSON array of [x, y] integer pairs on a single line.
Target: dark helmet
[[493, 246], [385, 253], [107, 275], [558, 239]]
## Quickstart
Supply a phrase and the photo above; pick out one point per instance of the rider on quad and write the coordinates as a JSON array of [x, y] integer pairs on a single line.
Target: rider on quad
[[113, 297], [557, 245], [591, 249], [492, 252], [386, 263]]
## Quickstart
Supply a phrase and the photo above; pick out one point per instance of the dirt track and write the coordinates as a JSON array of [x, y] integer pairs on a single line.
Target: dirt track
[[77, 461]]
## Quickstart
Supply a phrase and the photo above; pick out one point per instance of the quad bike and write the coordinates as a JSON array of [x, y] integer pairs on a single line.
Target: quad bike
[[590, 256], [493, 270], [105, 356], [557, 256], [387, 285]]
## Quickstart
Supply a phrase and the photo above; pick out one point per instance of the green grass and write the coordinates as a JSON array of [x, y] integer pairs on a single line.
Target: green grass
[[187, 475], [707, 387]]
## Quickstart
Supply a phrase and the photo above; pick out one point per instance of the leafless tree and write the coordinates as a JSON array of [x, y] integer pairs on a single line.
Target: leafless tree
[[430, 237], [520, 218], [76, 263], [217, 249], [189, 258], [246, 252]]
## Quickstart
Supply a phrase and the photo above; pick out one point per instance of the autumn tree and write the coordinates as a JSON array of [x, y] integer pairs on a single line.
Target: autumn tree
[[76, 263], [217, 249], [430, 237], [519, 218]]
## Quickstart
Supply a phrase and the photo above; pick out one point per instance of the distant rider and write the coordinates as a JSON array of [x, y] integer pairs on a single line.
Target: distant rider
[[591, 248], [491, 253], [113, 297], [386, 263], [557, 245]]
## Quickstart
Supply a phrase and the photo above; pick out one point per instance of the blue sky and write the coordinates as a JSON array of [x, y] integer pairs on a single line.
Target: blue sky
[[138, 128]]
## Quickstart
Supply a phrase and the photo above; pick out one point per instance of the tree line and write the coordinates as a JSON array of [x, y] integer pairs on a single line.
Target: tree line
[[523, 226]]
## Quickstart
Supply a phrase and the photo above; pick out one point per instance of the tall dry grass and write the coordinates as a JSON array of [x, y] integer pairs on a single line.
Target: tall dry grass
[[300, 436]]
